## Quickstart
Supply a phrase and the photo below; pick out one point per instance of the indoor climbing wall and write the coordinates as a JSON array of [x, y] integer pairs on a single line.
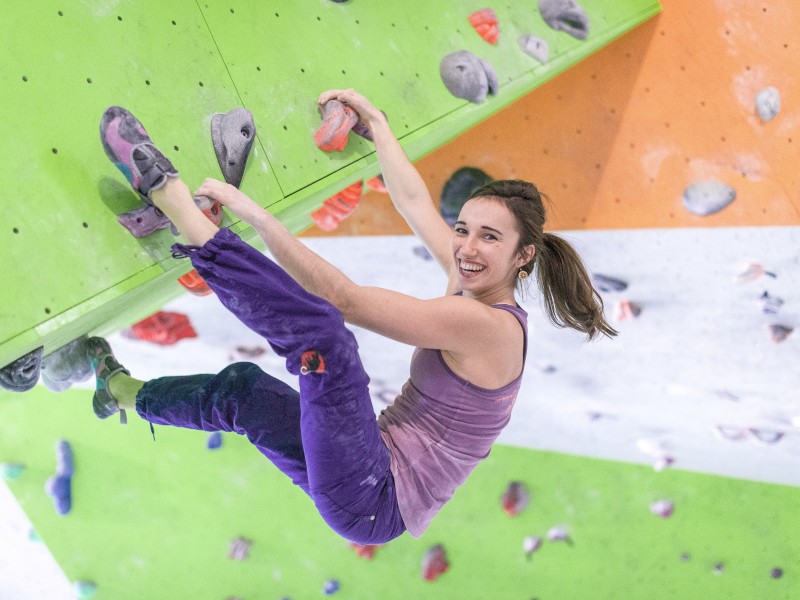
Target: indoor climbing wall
[[175, 65]]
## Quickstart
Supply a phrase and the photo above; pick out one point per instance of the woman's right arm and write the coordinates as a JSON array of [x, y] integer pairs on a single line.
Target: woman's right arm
[[408, 191]]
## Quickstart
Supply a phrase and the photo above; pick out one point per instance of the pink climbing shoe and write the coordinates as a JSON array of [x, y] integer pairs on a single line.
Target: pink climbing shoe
[[130, 148]]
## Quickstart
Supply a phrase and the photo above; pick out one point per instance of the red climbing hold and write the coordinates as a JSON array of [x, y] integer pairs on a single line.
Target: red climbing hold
[[367, 551], [434, 562], [195, 284], [337, 121], [165, 328], [338, 207], [485, 23], [377, 184], [515, 498]]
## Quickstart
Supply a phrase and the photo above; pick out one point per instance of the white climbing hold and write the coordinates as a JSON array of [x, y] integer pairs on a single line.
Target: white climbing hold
[[768, 103], [534, 46], [708, 197]]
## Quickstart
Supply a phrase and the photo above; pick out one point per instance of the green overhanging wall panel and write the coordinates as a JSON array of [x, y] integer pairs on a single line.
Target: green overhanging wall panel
[[71, 269], [155, 520]]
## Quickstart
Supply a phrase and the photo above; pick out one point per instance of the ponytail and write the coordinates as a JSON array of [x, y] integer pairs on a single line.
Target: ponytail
[[570, 300]]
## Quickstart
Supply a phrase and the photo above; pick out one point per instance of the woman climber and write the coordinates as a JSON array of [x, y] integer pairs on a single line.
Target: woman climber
[[371, 479]]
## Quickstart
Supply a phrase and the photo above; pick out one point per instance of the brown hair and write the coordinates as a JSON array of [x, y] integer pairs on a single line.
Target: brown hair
[[570, 300]]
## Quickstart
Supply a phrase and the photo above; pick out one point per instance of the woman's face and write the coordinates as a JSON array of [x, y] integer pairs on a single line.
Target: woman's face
[[485, 245]]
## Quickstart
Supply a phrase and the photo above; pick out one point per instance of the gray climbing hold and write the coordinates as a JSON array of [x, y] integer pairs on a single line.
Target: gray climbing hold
[[768, 103], [708, 197], [143, 221], [604, 283], [534, 46], [458, 189], [67, 365], [232, 135], [22, 374], [467, 76], [565, 15]]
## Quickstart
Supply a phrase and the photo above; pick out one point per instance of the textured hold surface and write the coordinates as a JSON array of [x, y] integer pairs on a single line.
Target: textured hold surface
[[768, 103], [22, 374], [338, 207], [337, 121], [467, 76], [534, 46], [67, 365], [143, 221], [233, 134], [708, 197], [565, 15], [485, 23], [604, 283], [458, 189]]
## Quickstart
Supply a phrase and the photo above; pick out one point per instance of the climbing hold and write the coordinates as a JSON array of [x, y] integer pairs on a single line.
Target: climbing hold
[[233, 134], [662, 463], [337, 121], [662, 508], [718, 569], [686, 557], [239, 548], [768, 103], [84, 590], [559, 534], [434, 562], [458, 189], [195, 284], [59, 487], [330, 587], [360, 128], [625, 310], [164, 328], [515, 498], [467, 76], [770, 305], [143, 221], [765, 437], [214, 440], [338, 207], [67, 365], [707, 197], [11, 471], [776, 573], [485, 23], [530, 545], [729, 433], [752, 272], [366, 551], [377, 184], [22, 374], [565, 15], [534, 46], [604, 283], [779, 332]]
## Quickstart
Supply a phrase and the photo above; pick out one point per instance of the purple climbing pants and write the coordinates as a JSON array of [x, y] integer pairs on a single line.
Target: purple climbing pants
[[325, 438]]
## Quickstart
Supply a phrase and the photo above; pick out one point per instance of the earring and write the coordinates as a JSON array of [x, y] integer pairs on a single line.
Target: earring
[[522, 275]]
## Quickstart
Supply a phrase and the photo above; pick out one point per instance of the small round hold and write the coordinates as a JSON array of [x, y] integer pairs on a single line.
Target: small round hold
[[686, 557], [84, 589], [768, 103], [776, 573], [331, 587], [707, 197]]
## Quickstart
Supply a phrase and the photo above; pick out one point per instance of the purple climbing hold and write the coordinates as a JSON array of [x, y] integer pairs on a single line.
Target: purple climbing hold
[[707, 197], [59, 487], [143, 221], [67, 365], [604, 283], [214, 440], [565, 15], [239, 548], [330, 587], [467, 76], [770, 305], [662, 508], [233, 134], [22, 374], [768, 103]]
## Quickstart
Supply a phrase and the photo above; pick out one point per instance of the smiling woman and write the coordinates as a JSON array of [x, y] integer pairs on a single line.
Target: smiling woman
[[370, 479]]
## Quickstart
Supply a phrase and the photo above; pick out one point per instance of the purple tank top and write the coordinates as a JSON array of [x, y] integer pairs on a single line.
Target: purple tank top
[[439, 428]]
